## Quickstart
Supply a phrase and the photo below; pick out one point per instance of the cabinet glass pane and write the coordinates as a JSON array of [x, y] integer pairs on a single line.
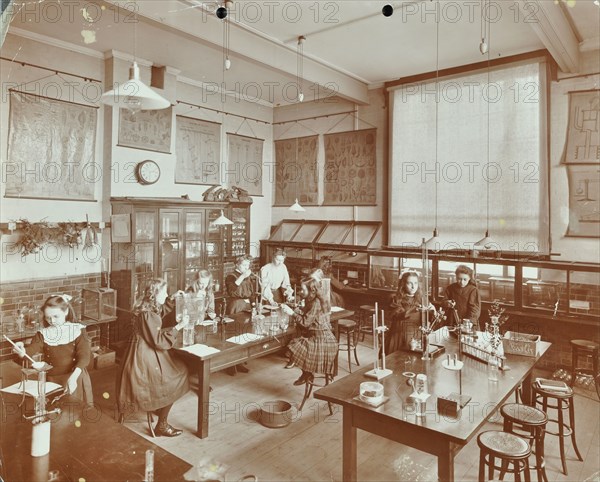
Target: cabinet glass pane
[[493, 284], [334, 233], [284, 232], [350, 268], [385, 271], [193, 255], [214, 232], [307, 232], [144, 226], [585, 293], [144, 258], [360, 235], [239, 232], [193, 225], [169, 255], [169, 225], [446, 274], [547, 291]]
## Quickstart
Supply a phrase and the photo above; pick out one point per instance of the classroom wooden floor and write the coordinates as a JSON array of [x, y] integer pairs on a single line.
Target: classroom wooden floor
[[310, 448]]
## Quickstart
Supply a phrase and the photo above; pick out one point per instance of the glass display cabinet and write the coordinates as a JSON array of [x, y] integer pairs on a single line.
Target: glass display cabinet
[[172, 239], [556, 289], [346, 243]]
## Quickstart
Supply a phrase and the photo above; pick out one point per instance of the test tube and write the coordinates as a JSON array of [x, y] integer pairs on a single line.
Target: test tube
[[149, 476]]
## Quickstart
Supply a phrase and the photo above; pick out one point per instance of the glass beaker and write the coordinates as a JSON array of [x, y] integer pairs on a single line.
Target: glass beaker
[[492, 368]]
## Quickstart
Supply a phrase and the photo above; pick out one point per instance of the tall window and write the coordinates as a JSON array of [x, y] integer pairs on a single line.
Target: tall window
[[516, 171]]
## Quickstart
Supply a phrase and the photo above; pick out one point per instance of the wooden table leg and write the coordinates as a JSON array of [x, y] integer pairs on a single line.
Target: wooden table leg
[[203, 397], [526, 395], [446, 463], [348, 447]]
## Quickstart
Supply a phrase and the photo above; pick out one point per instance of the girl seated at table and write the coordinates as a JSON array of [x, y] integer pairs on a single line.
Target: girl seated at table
[[337, 287], [64, 345], [462, 297], [150, 379], [405, 313], [315, 350], [203, 287]]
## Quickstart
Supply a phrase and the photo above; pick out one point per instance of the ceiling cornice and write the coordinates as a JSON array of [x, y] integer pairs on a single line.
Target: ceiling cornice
[[55, 42], [553, 28], [259, 49]]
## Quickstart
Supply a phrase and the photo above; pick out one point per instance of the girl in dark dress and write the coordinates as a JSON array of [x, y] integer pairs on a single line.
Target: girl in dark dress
[[314, 351], [150, 379], [64, 345], [462, 297], [405, 313]]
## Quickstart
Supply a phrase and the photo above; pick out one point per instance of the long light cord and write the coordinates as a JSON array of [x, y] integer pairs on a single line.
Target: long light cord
[[488, 126], [437, 104]]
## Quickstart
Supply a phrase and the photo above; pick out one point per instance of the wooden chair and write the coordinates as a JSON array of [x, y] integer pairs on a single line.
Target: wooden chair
[[509, 449]]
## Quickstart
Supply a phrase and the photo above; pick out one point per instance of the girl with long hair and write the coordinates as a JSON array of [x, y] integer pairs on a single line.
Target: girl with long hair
[[462, 297], [150, 379], [314, 351]]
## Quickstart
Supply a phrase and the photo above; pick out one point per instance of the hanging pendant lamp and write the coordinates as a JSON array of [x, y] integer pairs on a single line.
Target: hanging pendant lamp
[[222, 220], [296, 207], [434, 242], [134, 94]]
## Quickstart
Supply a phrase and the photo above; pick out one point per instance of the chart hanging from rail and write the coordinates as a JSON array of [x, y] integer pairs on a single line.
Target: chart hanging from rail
[[584, 192], [51, 149], [350, 168], [149, 130], [244, 168], [296, 174], [198, 151], [583, 134]]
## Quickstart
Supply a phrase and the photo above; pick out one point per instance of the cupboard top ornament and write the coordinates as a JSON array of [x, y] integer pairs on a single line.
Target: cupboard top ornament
[[219, 193]]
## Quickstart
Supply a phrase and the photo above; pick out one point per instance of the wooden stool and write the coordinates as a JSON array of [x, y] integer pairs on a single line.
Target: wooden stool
[[564, 401], [326, 380], [149, 419], [585, 348], [348, 327], [533, 422], [507, 447], [365, 315]]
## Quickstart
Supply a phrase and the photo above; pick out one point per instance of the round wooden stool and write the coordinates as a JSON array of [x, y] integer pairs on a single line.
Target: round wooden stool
[[563, 401], [348, 327], [365, 318], [584, 348], [531, 424], [507, 447]]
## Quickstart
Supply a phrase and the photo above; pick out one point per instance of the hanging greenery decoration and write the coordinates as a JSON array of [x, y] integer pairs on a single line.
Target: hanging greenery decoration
[[33, 236], [70, 234]]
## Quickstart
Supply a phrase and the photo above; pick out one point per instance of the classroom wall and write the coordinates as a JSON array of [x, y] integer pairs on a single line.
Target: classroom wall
[[56, 259], [572, 249], [117, 162], [367, 116]]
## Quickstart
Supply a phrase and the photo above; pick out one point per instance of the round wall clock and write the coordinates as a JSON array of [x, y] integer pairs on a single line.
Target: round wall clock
[[147, 172]]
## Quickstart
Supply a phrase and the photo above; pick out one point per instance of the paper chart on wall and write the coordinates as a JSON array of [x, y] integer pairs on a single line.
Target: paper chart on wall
[[296, 173], [198, 151], [583, 134], [350, 168], [149, 130], [244, 166], [51, 149]]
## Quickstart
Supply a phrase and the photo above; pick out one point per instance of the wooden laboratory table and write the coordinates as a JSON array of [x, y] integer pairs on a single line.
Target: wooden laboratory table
[[231, 354], [438, 434], [85, 444]]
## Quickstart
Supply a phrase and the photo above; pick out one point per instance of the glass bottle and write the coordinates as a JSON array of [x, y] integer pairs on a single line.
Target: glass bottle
[[492, 368]]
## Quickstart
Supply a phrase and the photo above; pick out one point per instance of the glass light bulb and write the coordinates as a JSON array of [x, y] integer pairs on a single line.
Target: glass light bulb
[[483, 47], [133, 104], [227, 63], [300, 97]]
